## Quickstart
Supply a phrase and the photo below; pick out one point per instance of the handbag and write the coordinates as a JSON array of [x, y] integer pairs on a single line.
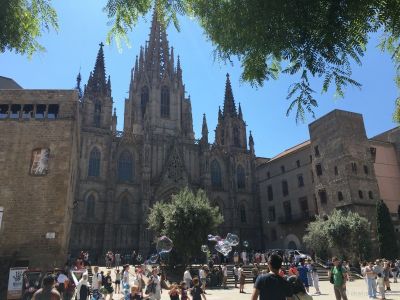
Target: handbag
[[331, 280]]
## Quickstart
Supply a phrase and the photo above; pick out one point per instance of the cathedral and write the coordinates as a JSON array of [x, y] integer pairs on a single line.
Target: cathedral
[[122, 174]]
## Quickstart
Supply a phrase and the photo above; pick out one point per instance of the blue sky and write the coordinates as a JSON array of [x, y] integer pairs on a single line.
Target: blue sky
[[83, 25]]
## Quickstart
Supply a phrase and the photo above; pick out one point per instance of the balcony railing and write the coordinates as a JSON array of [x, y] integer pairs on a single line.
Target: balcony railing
[[293, 218]]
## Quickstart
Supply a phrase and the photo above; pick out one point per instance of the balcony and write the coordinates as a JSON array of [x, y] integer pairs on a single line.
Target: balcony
[[294, 218]]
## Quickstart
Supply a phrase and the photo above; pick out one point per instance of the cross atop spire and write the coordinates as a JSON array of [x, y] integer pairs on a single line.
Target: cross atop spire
[[229, 102], [97, 83]]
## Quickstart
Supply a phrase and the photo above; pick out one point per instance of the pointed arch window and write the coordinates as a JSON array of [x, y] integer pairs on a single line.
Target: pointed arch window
[[125, 166], [90, 206], [94, 163], [243, 217], [236, 138], [216, 180], [241, 177], [165, 102], [124, 209], [144, 99]]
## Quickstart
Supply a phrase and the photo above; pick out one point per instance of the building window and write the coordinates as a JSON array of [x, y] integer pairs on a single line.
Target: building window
[[304, 206], [340, 196], [243, 218], [366, 171], [52, 112], [216, 180], [370, 195], [298, 163], [336, 171], [90, 206], [40, 161], [164, 102], [285, 188], [124, 209], [27, 111], [287, 208], [283, 169], [300, 180], [360, 194], [322, 196], [241, 177], [4, 111], [372, 150], [354, 167], [94, 163], [318, 169], [236, 138], [40, 111], [125, 166], [274, 235], [144, 99], [271, 214], [15, 111], [270, 193], [316, 151]]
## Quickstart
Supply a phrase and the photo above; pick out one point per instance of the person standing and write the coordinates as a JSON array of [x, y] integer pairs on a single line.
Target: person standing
[[125, 282], [187, 278], [255, 272], [381, 286], [303, 271], [386, 275], [315, 278], [224, 275], [370, 277], [83, 288], [203, 278], [236, 274], [96, 283], [244, 257], [236, 257], [155, 294], [61, 280], [338, 275], [117, 259], [117, 281], [47, 292], [197, 292], [271, 286], [242, 278]]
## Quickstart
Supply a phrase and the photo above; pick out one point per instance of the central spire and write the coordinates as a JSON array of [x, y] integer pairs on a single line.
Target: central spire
[[229, 102], [157, 51]]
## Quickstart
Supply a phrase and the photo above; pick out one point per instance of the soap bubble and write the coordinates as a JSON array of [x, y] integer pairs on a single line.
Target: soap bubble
[[204, 248], [214, 238], [223, 247], [139, 258], [164, 244], [245, 244], [233, 239], [153, 259]]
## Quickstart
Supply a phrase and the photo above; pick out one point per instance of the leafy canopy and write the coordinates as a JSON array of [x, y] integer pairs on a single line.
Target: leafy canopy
[[345, 233], [187, 220], [303, 38]]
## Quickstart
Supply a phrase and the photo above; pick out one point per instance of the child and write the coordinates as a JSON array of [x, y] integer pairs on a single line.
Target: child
[[184, 295], [174, 292], [381, 286], [117, 281], [196, 292]]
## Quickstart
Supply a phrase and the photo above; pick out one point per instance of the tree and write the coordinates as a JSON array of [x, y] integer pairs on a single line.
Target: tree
[[387, 241], [345, 233], [186, 220], [22, 23], [305, 38]]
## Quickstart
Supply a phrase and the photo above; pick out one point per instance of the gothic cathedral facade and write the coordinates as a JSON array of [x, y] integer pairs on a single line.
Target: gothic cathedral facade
[[122, 174]]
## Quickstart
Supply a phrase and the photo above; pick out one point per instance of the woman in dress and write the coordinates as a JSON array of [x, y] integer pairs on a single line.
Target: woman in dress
[[155, 294]]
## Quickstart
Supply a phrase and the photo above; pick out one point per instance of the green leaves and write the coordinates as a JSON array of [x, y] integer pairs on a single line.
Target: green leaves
[[187, 220], [345, 232]]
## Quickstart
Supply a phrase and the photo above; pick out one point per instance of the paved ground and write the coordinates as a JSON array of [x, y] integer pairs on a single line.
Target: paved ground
[[356, 290]]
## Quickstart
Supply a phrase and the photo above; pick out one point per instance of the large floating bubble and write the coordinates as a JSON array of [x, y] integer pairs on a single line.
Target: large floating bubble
[[245, 244], [233, 239], [153, 259], [223, 247], [139, 258], [204, 248], [164, 244], [214, 238]]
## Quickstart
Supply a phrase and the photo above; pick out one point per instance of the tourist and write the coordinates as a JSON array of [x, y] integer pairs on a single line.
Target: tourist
[[83, 288], [62, 279], [303, 271], [184, 295], [117, 281], [236, 257], [108, 285], [298, 289], [397, 273], [96, 283], [224, 272], [242, 278], [255, 271], [381, 285], [338, 279], [236, 275], [125, 281], [293, 270], [47, 291], [155, 293], [187, 277], [386, 275], [263, 258], [197, 292], [370, 277], [271, 286], [203, 278], [174, 291], [315, 278], [244, 257]]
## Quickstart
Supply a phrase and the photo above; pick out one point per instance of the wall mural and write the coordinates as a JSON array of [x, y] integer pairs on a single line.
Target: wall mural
[[40, 161]]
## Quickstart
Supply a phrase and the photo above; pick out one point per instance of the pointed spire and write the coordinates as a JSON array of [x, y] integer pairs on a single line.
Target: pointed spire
[[141, 61], [109, 85], [219, 114], [251, 143], [229, 102], [178, 69], [157, 54], [136, 70], [171, 62], [240, 112], [204, 129], [97, 81], [115, 112], [78, 85]]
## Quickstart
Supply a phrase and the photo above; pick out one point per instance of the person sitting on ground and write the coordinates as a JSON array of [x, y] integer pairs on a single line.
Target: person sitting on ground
[[47, 292], [272, 286]]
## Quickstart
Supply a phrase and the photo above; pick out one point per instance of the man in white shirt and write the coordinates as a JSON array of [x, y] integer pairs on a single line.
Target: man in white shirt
[[225, 275], [187, 278], [96, 283]]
